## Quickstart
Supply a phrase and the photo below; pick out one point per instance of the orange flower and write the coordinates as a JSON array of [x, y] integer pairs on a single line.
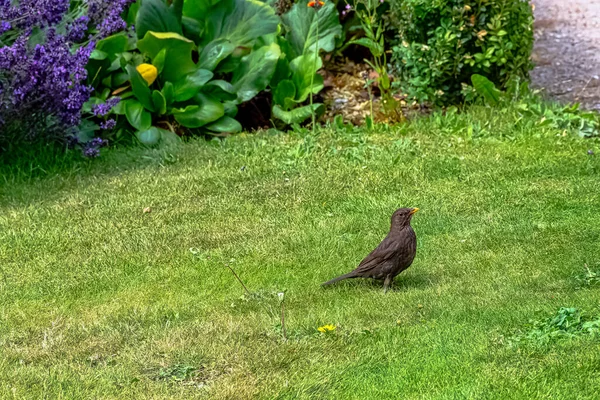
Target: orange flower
[[317, 4]]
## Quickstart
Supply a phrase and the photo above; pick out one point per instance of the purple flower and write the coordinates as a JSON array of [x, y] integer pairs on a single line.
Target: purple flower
[[44, 86], [29, 13], [100, 110], [98, 142], [348, 7], [78, 28], [91, 152], [4, 26], [106, 15], [109, 124]]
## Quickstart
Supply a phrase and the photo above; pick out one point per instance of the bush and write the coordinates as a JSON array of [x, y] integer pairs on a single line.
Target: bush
[[44, 48], [193, 63], [442, 43]]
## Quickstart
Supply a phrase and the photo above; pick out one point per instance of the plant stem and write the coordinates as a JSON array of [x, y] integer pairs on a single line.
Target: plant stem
[[283, 321], [239, 280], [312, 77]]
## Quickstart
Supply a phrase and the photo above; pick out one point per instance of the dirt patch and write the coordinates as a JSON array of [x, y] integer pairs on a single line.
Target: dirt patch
[[567, 50]]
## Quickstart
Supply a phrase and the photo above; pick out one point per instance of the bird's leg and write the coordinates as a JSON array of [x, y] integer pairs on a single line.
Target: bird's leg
[[387, 283]]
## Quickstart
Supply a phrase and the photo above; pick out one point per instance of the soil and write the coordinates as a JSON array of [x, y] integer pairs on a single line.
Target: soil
[[567, 51]]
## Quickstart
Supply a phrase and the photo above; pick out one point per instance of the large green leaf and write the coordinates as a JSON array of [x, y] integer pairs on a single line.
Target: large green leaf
[[487, 89], [375, 48], [220, 89], [137, 116], [215, 52], [239, 21], [304, 23], [178, 59], [155, 15], [255, 72], [225, 124], [140, 88], [284, 94], [149, 137], [297, 115], [206, 111], [197, 9], [282, 71], [168, 92], [113, 45], [304, 75], [191, 84], [159, 101]]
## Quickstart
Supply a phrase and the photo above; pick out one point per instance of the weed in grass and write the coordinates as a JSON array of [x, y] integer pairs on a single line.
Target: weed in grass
[[590, 278], [568, 323]]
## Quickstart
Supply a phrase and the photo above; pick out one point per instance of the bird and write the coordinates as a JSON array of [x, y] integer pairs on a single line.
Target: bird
[[394, 254]]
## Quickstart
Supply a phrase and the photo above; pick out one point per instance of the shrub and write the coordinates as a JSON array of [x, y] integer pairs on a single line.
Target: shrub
[[44, 48], [441, 43]]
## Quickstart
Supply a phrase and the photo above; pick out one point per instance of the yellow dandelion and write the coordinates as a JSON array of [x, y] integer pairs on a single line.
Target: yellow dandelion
[[326, 328]]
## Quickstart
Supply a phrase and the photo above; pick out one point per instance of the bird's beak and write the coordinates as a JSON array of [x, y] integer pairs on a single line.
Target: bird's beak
[[414, 210]]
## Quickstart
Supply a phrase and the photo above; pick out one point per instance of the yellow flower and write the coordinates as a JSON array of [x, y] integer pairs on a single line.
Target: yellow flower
[[326, 328], [148, 72]]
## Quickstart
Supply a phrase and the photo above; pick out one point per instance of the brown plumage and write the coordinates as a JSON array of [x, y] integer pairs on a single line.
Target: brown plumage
[[393, 255]]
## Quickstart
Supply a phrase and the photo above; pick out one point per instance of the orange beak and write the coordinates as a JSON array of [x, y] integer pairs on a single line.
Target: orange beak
[[414, 210]]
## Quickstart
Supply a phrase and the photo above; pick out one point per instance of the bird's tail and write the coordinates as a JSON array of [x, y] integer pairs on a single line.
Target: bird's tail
[[339, 278]]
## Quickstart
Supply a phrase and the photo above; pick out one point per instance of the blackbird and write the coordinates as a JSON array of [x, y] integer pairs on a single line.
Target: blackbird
[[393, 255]]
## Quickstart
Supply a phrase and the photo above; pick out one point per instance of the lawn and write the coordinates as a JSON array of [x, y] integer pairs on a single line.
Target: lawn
[[101, 299]]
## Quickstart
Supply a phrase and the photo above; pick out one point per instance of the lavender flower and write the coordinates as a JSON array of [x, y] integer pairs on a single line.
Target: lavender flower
[[29, 13], [43, 87], [78, 29], [91, 152], [100, 110], [108, 124], [106, 15]]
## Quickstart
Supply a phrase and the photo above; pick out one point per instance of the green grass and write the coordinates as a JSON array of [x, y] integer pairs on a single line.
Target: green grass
[[101, 300]]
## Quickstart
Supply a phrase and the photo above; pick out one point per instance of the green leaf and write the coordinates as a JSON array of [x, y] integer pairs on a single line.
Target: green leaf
[[255, 72], [486, 88], [159, 60], [154, 135], [168, 93], [215, 52], [113, 45], [282, 70], [231, 109], [297, 115], [240, 22], [140, 88], [191, 84], [225, 124], [220, 89], [303, 24], [195, 116], [192, 29], [178, 57], [375, 48], [98, 55], [149, 137], [284, 94], [137, 116], [304, 70], [155, 15], [197, 9], [160, 103]]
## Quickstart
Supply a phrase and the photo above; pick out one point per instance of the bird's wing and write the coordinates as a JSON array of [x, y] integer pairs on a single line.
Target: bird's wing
[[385, 251]]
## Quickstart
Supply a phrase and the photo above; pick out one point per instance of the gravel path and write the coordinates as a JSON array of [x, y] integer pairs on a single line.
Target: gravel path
[[567, 50]]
